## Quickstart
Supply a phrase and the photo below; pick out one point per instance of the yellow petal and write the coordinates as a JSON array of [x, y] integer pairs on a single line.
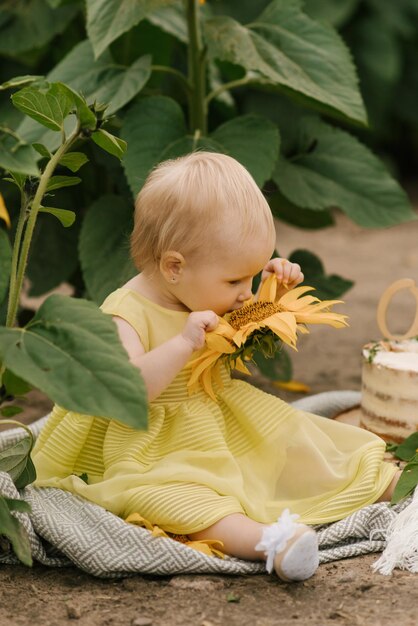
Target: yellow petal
[[206, 382], [239, 365], [3, 212], [218, 343], [211, 358], [292, 385], [293, 294], [268, 289]]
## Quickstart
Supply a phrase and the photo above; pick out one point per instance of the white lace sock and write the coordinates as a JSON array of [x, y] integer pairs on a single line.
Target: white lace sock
[[300, 559]]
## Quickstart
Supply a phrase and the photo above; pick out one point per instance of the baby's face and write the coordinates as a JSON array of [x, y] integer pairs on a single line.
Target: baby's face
[[224, 282]]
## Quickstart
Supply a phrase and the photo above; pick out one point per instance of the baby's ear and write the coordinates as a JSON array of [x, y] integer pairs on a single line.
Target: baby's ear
[[172, 264]]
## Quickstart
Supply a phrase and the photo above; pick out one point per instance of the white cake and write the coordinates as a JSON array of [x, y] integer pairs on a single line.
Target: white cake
[[390, 388]]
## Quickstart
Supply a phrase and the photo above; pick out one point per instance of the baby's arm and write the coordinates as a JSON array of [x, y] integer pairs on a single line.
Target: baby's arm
[[162, 364]]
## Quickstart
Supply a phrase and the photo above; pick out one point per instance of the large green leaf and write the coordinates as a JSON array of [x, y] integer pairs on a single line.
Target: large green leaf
[[102, 81], [156, 130], [379, 59], [252, 140], [288, 212], [5, 263], [11, 528], [53, 256], [108, 19], [333, 11], [149, 127], [16, 461], [171, 19], [104, 250], [327, 286], [21, 159], [28, 24], [48, 106], [71, 351], [286, 47], [333, 169]]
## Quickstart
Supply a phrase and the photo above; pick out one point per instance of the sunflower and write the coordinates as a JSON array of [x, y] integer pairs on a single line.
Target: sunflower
[[261, 325]]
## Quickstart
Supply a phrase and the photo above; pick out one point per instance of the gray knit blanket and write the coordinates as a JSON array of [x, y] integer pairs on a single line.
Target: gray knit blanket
[[65, 529]]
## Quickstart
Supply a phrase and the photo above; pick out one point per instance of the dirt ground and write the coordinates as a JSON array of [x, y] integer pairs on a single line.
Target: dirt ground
[[343, 593]]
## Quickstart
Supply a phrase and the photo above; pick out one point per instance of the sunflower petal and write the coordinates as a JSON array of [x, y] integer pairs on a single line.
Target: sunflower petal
[[268, 289], [241, 367], [218, 343]]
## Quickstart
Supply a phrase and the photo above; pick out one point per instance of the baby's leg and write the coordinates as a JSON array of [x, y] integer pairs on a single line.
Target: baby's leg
[[291, 548], [387, 495]]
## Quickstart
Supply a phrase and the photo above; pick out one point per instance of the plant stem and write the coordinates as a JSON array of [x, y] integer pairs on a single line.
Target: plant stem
[[240, 82], [15, 253], [17, 279], [171, 70], [197, 70], [7, 421]]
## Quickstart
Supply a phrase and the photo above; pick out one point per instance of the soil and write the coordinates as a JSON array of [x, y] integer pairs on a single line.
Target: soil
[[344, 592]]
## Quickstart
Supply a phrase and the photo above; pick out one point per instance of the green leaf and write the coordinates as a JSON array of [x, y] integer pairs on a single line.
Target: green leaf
[[149, 127], [10, 410], [17, 179], [49, 106], [32, 25], [100, 80], [11, 528], [333, 11], [330, 168], [407, 482], [288, 212], [56, 182], [73, 160], [171, 19], [108, 19], [21, 159], [53, 258], [5, 263], [15, 386], [279, 367], [19, 81], [125, 85], [109, 142], [328, 287], [242, 137], [408, 448], [18, 505], [42, 150], [288, 49], [71, 340], [67, 218], [16, 461], [103, 249]]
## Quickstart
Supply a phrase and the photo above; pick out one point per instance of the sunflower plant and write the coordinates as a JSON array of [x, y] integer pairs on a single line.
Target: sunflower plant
[[263, 325]]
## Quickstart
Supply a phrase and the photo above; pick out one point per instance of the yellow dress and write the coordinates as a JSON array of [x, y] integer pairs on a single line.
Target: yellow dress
[[201, 460]]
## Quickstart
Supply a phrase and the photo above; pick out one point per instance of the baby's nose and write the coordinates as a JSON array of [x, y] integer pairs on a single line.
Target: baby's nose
[[245, 294]]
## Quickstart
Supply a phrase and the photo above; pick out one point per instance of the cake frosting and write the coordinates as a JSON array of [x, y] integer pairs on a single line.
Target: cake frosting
[[389, 400]]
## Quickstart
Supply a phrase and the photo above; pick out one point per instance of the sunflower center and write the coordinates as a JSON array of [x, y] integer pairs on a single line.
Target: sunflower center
[[255, 312]]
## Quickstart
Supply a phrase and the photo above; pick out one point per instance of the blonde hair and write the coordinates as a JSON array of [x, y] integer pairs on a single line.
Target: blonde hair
[[187, 200]]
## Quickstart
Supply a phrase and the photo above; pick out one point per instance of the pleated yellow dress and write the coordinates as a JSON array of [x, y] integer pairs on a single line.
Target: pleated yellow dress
[[200, 460]]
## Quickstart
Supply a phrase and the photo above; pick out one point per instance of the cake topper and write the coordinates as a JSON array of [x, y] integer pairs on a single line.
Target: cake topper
[[398, 285]]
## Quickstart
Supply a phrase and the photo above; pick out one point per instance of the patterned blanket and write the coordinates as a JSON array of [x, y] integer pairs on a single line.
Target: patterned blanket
[[65, 529]]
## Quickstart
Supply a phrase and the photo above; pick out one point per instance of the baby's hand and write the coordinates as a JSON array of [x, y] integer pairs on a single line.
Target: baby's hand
[[198, 323], [289, 274]]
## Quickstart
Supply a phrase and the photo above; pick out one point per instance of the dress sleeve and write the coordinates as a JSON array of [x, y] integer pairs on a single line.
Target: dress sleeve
[[123, 304]]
